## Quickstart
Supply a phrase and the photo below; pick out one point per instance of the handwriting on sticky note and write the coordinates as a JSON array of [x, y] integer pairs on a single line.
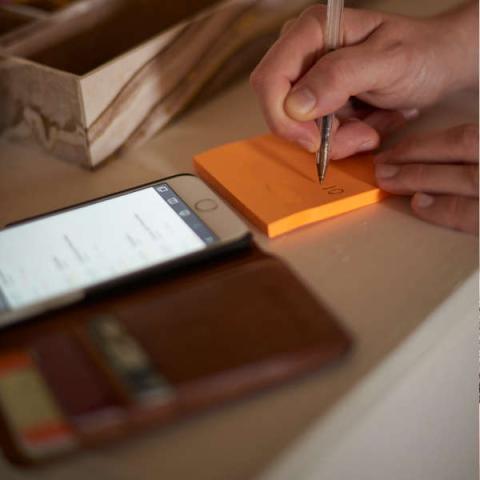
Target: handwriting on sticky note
[[274, 183]]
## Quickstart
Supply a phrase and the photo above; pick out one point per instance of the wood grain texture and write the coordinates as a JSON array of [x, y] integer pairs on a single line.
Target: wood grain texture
[[180, 72], [42, 107], [43, 25], [85, 83], [153, 81]]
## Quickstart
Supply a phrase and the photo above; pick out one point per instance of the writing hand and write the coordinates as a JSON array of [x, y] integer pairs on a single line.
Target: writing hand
[[392, 63]]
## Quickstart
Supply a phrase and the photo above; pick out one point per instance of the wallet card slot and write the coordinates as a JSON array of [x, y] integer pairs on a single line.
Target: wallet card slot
[[81, 390]]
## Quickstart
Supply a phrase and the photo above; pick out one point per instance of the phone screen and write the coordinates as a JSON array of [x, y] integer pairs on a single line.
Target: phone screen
[[91, 244]]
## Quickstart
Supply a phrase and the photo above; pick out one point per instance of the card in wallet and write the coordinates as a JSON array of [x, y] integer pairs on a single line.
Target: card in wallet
[[157, 352]]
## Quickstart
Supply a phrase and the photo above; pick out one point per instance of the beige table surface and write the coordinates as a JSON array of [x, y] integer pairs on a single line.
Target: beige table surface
[[383, 272]]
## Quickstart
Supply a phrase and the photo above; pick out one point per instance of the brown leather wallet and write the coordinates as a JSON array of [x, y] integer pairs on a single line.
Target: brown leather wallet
[[211, 333]]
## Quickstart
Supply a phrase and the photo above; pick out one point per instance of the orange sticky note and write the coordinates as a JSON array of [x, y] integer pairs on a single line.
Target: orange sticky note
[[274, 183]]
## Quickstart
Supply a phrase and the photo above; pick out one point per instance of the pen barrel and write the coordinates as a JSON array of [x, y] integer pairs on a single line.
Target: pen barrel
[[334, 25], [326, 128], [333, 37]]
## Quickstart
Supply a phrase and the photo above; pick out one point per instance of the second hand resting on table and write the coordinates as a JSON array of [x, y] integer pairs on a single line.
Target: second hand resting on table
[[391, 66]]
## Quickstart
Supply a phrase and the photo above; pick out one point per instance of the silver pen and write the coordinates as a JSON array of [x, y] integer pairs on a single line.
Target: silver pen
[[333, 40]]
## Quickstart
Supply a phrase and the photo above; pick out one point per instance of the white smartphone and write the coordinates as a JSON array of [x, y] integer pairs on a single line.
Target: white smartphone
[[59, 258]]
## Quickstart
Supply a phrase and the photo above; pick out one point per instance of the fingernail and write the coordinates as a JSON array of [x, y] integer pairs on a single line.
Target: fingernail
[[307, 145], [410, 114], [300, 101], [422, 200], [386, 171]]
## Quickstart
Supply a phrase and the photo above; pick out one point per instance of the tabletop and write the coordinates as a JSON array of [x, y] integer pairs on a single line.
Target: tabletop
[[382, 271]]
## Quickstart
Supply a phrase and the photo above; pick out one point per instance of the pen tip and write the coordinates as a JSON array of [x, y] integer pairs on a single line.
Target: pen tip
[[321, 171]]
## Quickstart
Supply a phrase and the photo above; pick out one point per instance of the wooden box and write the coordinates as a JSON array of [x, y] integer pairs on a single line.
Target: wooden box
[[101, 75]]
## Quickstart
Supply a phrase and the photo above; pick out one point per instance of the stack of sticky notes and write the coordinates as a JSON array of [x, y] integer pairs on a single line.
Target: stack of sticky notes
[[274, 183]]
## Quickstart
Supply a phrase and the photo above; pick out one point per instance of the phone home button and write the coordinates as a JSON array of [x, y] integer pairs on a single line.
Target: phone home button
[[206, 204]]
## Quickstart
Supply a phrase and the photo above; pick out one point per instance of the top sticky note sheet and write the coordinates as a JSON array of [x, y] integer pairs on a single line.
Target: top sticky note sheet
[[274, 183]]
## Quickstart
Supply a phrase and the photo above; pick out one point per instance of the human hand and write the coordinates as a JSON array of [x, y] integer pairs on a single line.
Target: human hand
[[440, 170], [393, 64]]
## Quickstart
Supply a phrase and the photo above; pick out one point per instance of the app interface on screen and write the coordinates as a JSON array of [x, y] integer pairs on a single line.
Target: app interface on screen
[[91, 244]]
